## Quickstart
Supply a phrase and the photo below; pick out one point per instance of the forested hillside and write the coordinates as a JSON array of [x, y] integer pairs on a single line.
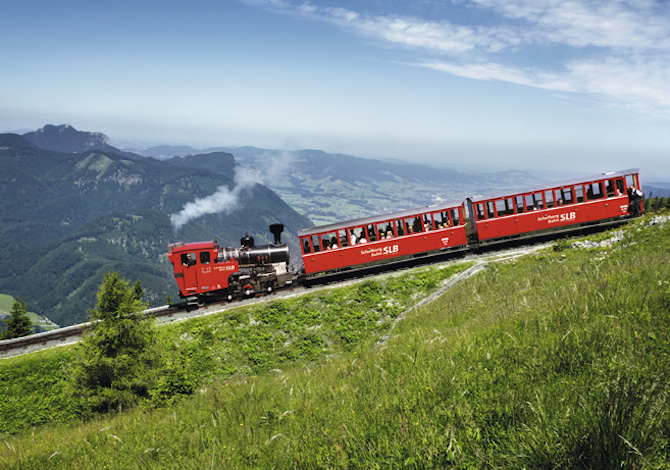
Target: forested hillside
[[66, 218]]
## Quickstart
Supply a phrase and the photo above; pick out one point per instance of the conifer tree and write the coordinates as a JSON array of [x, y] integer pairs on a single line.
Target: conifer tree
[[116, 356], [19, 324]]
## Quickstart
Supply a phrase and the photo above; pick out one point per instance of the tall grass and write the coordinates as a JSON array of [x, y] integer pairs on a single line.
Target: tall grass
[[560, 360]]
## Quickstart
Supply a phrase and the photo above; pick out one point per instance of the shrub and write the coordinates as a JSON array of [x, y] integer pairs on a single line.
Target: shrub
[[114, 359]]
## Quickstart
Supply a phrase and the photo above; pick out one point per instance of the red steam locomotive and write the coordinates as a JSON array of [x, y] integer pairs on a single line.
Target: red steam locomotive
[[206, 269]]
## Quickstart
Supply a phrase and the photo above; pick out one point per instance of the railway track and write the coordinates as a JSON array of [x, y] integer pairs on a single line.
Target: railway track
[[179, 312]]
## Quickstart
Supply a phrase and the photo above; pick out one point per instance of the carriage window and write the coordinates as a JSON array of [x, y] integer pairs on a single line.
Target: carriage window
[[390, 230], [441, 219], [519, 204], [399, 228], [500, 207], [530, 203], [538, 203], [609, 188], [204, 257], [370, 233], [489, 210], [329, 241], [620, 188], [305, 246], [549, 198], [358, 235], [594, 191], [343, 241], [315, 243], [566, 196], [413, 225], [381, 230], [579, 193], [427, 222], [630, 181], [504, 207], [417, 225], [455, 217], [480, 212]]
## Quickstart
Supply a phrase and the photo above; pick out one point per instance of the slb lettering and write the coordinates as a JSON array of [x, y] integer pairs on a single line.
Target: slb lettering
[[389, 250]]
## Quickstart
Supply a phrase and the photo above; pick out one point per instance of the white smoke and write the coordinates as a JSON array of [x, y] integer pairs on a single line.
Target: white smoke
[[224, 200], [277, 166]]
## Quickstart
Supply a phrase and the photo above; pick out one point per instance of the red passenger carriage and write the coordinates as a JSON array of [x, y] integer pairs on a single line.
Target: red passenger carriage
[[382, 238], [594, 200]]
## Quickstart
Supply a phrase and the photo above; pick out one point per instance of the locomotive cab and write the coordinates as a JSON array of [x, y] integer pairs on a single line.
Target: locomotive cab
[[199, 270]]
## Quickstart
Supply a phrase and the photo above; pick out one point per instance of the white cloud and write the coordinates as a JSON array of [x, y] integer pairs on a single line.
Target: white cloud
[[617, 50], [610, 23]]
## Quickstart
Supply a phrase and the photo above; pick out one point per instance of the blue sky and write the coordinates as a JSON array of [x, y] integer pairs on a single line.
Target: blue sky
[[489, 84]]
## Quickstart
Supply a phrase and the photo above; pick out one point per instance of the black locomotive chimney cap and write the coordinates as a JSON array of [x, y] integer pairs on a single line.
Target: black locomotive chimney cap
[[247, 241], [276, 230]]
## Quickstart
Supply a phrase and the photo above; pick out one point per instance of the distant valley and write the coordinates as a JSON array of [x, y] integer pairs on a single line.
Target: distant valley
[[331, 187]]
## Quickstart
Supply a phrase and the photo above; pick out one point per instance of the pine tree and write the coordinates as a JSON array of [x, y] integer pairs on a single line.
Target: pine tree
[[138, 290], [117, 355], [19, 324]]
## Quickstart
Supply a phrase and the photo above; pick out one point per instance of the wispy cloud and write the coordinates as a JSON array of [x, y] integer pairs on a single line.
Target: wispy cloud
[[616, 50]]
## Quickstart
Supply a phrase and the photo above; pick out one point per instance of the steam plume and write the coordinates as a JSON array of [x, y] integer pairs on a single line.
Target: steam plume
[[224, 200]]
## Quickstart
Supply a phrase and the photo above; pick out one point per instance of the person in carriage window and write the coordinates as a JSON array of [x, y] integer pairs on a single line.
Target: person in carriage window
[[187, 261]]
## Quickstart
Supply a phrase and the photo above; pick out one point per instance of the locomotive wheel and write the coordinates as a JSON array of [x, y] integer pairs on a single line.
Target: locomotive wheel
[[201, 301]]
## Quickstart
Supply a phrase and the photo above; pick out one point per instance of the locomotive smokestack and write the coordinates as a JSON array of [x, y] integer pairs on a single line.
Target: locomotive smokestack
[[276, 230]]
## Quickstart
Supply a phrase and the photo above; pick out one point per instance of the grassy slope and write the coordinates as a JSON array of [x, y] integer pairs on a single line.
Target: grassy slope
[[559, 360], [6, 303], [241, 341]]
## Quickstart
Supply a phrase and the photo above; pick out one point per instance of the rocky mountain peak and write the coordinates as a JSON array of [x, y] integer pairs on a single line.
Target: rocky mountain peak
[[65, 138]]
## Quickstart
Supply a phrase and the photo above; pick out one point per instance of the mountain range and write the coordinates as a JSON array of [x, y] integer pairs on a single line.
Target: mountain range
[[330, 187]]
